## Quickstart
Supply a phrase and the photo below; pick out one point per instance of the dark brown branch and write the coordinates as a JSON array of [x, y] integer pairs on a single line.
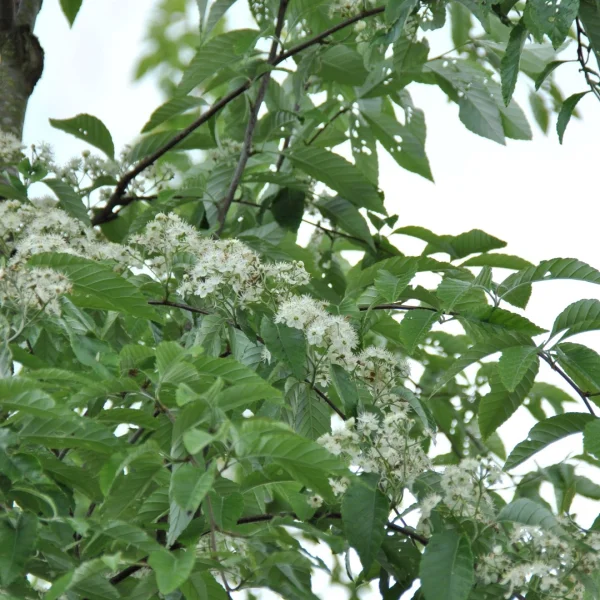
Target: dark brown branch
[[125, 573], [252, 120], [329, 402], [115, 200], [334, 515], [325, 34], [583, 395], [339, 113], [193, 309]]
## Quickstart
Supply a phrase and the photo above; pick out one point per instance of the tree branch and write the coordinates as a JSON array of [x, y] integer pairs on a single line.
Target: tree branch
[[334, 515], [339, 113], [115, 200], [252, 120], [583, 395], [328, 401]]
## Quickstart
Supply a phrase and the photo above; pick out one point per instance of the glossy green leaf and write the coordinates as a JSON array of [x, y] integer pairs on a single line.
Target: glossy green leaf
[[345, 215], [591, 437], [581, 316], [391, 286], [172, 108], [509, 67], [70, 9], [88, 128], [582, 363], [566, 112], [340, 175], [553, 18], [69, 200], [172, 569], [287, 344], [17, 542], [96, 285], [190, 484], [514, 364], [527, 512], [499, 404], [365, 512], [545, 433], [447, 569], [415, 325]]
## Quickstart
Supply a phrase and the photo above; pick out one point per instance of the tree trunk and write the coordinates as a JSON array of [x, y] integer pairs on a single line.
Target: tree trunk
[[21, 61]]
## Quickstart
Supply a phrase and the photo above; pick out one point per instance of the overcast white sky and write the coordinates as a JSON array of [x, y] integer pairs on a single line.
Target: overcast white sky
[[540, 197]]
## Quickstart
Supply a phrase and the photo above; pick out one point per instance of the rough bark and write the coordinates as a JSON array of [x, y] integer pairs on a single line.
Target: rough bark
[[21, 61]]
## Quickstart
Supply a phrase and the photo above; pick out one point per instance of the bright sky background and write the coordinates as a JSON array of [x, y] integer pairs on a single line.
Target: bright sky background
[[540, 197]]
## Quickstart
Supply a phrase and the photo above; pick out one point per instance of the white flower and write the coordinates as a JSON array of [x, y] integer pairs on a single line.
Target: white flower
[[315, 501], [339, 486], [10, 147], [428, 504]]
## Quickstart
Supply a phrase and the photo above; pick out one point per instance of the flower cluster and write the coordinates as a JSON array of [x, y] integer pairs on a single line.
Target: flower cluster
[[26, 230], [10, 148], [540, 560], [32, 289], [381, 444]]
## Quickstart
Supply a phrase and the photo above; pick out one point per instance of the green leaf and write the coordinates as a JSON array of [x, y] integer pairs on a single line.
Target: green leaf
[[504, 261], [447, 571], [219, 52], [474, 241], [509, 66], [514, 364], [582, 363], [591, 437], [287, 344], [340, 175], [365, 512], [405, 143], [566, 111], [548, 270], [548, 69], [480, 114], [307, 461], [344, 214], [527, 512], [473, 355], [172, 108], [70, 9], [88, 128], [17, 542], [202, 585], [346, 389], [581, 316], [216, 11], [390, 286], [195, 440], [552, 18], [415, 325], [96, 285], [172, 569], [288, 208], [342, 64], [311, 415], [189, 485], [68, 199], [499, 404], [545, 433]]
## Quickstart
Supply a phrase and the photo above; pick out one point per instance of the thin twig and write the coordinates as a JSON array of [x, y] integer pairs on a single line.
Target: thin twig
[[105, 214], [583, 60], [409, 533], [187, 307], [125, 573], [339, 113], [583, 395], [252, 120], [329, 402]]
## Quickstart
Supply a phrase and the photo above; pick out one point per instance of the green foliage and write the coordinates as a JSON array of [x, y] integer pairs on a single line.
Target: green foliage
[[191, 388]]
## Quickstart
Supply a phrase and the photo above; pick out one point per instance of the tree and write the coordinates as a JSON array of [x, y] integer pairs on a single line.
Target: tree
[[172, 360]]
